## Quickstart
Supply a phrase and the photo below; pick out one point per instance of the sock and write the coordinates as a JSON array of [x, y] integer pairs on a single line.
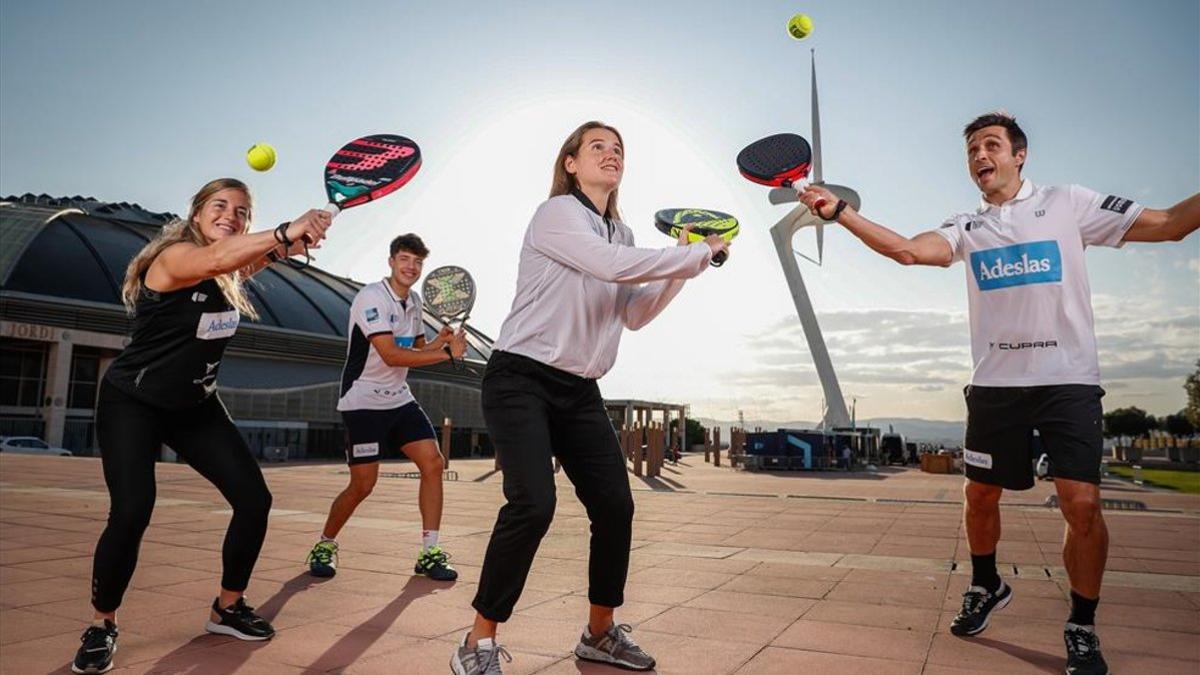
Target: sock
[[328, 539], [99, 623], [429, 539], [983, 572], [587, 629], [1083, 610], [486, 644]]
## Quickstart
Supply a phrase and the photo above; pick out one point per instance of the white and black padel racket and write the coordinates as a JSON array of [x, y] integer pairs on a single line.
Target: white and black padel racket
[[449, 294]]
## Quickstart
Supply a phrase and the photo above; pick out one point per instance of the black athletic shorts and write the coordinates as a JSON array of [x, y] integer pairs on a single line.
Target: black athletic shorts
[[369, 432], [1000, 423]]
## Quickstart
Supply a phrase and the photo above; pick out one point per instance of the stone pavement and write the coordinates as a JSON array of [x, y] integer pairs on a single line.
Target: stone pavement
[[730, 573]]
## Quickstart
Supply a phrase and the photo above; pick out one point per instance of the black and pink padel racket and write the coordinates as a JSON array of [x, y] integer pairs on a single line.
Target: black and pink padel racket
[[364, 170], [368, 168]]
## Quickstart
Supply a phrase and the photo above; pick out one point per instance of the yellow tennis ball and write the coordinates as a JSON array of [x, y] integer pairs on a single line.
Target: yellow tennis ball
[[261, 157], [800, 26]]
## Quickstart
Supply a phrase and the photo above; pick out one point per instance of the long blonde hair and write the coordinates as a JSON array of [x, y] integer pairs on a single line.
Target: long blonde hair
[[187, 230], [564, 182]]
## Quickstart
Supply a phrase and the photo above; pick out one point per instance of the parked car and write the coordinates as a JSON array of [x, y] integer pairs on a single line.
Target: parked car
[[31, 445]]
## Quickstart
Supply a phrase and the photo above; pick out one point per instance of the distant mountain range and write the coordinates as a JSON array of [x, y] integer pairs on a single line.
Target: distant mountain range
[[949, 433]]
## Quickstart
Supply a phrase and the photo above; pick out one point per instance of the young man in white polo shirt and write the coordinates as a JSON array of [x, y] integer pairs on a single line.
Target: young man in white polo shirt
[[386, 338], [1034, 350]]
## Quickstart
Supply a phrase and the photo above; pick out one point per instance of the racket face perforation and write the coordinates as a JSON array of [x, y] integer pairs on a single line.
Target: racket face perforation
[[778, 160], [370, 167], [449, 292]]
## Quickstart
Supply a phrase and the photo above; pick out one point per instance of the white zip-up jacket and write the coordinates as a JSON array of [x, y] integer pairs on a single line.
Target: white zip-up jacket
[[580, 282]]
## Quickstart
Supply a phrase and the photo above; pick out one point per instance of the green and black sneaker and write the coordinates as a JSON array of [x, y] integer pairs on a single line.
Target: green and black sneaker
[[435, 564], [322, 559]]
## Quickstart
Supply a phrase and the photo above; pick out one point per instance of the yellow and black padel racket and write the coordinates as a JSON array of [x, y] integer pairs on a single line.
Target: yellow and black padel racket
[[703, 221]]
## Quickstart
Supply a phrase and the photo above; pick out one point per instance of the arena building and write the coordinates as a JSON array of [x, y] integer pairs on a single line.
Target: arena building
[[62, 263]]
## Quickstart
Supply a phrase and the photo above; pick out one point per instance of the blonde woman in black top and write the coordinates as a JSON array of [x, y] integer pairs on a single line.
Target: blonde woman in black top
[[184, 290]]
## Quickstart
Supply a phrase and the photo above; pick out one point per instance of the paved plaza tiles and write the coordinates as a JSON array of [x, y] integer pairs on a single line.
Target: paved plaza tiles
[[731, 573]]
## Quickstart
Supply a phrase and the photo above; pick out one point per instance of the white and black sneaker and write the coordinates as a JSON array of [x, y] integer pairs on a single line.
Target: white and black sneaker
[[977, 607], [483, 659], [240, 621], [95, 655], [1083, 651]]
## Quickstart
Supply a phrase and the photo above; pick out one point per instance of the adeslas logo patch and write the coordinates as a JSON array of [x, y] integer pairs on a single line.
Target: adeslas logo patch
[[1035, 262], [217, 325]]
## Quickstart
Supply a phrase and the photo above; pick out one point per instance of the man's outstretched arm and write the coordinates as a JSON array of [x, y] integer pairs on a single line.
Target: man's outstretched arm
[[1171, 224], [927, 248]]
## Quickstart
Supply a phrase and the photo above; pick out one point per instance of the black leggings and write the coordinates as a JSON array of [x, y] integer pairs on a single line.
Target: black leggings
[[534, 412], [131, 434]]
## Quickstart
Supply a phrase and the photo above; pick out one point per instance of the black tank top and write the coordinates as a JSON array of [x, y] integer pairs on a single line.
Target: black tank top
[[178, 340]]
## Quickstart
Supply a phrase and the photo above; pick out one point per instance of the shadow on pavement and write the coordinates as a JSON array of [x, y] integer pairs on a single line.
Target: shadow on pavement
[[1040, 660], [192, 656], [360, 638]]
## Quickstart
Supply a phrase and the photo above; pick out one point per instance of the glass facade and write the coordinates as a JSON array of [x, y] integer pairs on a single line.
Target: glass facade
[[22, 373], [85, 378]]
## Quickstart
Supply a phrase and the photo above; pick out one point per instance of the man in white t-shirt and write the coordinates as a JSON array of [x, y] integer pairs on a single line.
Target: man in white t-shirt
[[1034, 348], [387, 337]]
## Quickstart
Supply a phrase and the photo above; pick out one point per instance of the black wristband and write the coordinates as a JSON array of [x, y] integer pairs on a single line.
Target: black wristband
[[446, 348], [281, 235], [837, 211]]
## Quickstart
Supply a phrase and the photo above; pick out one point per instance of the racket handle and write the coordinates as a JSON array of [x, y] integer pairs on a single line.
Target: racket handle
[[333, 210], [719, 258]]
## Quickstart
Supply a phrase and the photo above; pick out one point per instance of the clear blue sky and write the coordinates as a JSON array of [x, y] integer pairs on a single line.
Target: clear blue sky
[[144, 101]]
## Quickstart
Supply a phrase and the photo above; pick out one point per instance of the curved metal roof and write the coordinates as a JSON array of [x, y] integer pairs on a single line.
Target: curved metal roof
[[78, 248]]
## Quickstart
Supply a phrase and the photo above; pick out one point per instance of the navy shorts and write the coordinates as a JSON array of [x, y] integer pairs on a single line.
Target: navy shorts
[[371, 432], [1000, 422]]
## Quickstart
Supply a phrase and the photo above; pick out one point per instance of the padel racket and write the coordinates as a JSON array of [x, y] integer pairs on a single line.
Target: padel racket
[[364, 170], [449, 294], [705, 222], [781, 160], [368, 168]]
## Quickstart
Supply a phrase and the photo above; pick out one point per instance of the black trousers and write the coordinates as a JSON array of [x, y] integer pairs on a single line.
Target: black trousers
[[535, 412], [130, 433]]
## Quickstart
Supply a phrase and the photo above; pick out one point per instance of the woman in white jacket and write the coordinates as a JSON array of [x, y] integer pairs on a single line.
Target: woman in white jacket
[[579, 284]]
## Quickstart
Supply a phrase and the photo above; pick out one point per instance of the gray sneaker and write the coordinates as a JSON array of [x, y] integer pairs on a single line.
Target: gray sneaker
[[477, 661], [614, 647]]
